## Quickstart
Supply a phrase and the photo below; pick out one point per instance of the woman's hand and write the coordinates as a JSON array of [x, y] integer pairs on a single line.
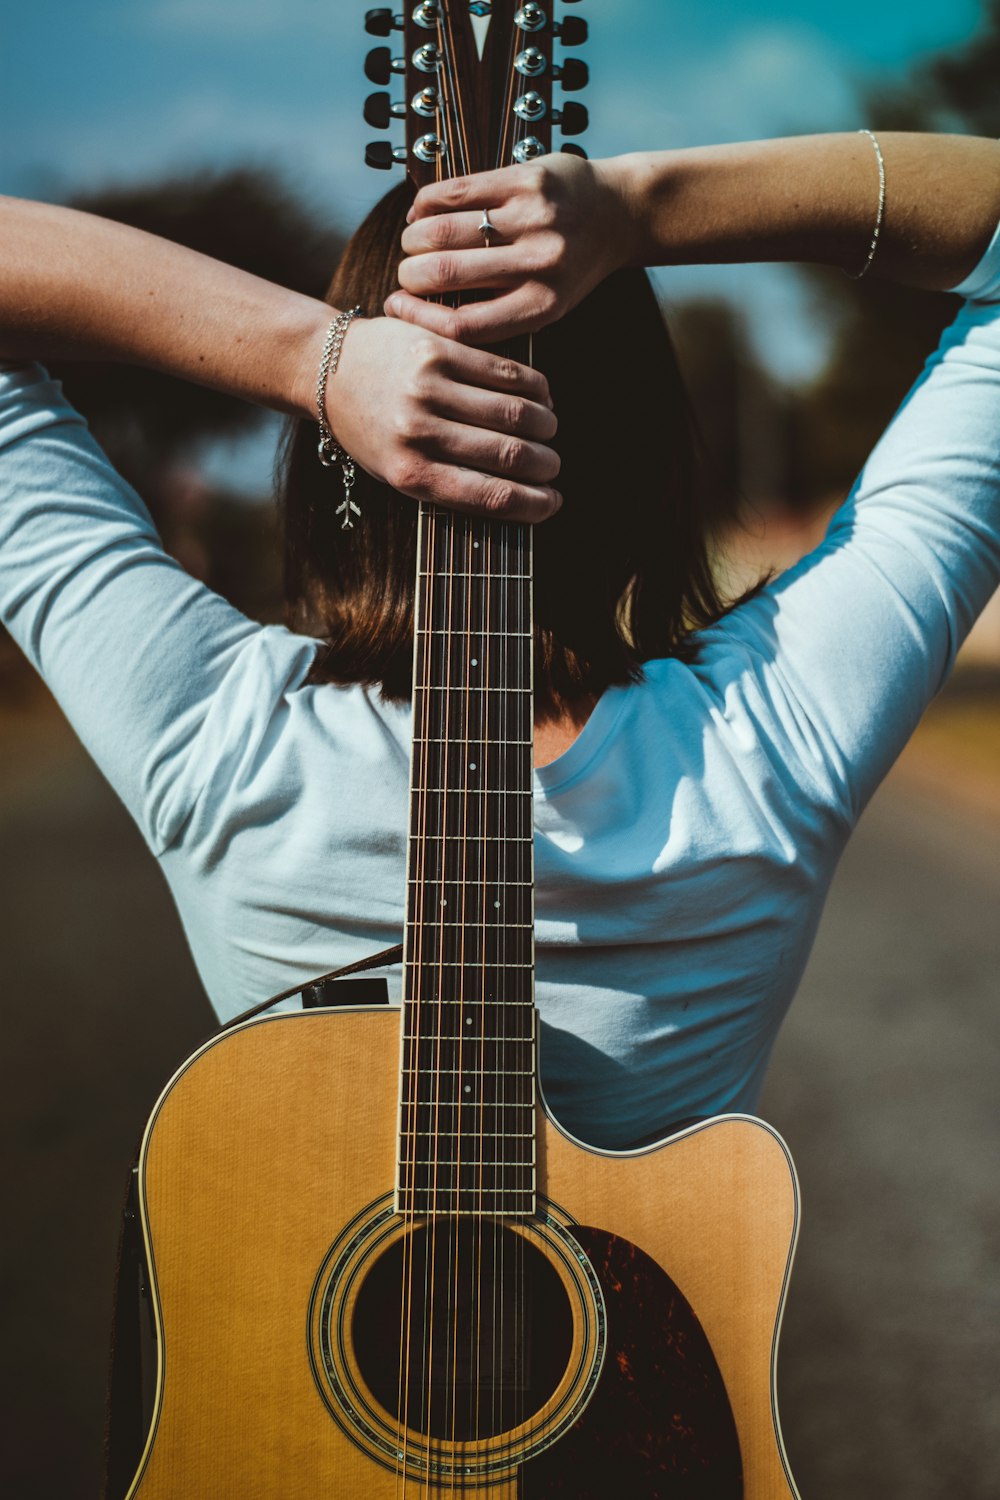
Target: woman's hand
[[442, 422], [562, 225]]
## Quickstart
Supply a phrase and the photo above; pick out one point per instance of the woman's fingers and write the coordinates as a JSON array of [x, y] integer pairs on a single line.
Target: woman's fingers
[[524, 310], [460, 231], [463, 271], [484, 190], [504, 377], [513, 416], [499, 453], [485, 494]]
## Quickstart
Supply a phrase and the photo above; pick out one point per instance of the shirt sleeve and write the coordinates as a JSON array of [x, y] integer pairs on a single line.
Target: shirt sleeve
[[135, 650], [854, 642]]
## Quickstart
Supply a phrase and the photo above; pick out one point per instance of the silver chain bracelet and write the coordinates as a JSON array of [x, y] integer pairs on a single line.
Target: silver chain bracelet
[[330, 451], [857, 275]]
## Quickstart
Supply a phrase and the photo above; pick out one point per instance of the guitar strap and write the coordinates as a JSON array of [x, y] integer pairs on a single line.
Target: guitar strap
[[132, 1370]]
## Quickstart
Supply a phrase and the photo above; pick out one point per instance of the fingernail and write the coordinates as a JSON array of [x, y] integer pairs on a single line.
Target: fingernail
[[410, 217], [392, 305]]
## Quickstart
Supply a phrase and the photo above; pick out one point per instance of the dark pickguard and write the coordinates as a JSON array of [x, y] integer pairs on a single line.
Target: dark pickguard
[[659, 1426]]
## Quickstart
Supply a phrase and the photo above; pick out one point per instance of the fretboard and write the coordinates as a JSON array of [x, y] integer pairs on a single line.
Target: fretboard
[[468, 1069]]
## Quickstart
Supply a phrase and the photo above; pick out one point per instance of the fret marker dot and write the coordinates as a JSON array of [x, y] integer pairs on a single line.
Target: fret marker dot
[[444, 900], [467, 1089], [497, 905], [472, 765], [475, 544], [468, 1020], [475, 663]]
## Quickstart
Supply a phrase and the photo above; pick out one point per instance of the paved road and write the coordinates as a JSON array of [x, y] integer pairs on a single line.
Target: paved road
[[885, 1083]]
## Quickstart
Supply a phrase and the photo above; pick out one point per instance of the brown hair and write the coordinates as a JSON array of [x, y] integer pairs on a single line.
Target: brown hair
[[622, 574]]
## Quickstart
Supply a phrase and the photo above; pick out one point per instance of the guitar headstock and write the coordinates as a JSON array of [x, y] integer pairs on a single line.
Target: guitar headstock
[[477, 82]]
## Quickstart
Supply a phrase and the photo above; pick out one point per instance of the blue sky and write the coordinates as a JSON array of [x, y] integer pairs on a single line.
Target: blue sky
[[109, 91]]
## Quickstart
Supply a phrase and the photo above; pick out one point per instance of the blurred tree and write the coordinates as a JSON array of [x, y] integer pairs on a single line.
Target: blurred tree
[[152, 426], [883, 332], [749, 422], [148, 422]]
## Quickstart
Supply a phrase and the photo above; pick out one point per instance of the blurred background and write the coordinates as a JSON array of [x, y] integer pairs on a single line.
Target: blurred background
[[236, 128]]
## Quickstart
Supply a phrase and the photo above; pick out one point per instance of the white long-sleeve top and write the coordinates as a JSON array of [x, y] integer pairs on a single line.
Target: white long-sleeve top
[[684, 844]]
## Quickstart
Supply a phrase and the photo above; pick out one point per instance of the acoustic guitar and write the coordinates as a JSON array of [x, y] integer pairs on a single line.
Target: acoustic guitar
[[379, 1269]]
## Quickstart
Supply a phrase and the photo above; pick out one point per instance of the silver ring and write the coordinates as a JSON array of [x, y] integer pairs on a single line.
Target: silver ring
[[486, 228]]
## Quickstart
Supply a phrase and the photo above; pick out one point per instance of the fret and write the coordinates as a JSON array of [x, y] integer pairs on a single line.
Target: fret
[[471, 1172], [496, 1135], [448, 861], [457, 573], [468, 687], [461, 1072], [503, 635], [498, 926], [443, 739], [478, 1105], [504, 885], [445, 963], [470, 1190], [472, 791], [482, 1166], [461, 838]]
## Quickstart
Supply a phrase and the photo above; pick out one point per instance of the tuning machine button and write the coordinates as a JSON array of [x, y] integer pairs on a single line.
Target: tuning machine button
[[531, 63], [573, 75], [530, 17], [572, 32], [572, 149], [530, 106], [381, 22], [426, 101], [382, 155], [427, 59], [528, 149], [380, 65], [429, 148], [379, 111], [572, 118]]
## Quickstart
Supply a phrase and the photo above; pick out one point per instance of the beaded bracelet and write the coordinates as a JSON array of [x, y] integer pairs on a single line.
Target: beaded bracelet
[[330, 451], [857, 275]]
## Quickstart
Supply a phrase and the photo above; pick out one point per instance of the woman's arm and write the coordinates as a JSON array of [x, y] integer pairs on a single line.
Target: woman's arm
[[564, 224], [434, 420]]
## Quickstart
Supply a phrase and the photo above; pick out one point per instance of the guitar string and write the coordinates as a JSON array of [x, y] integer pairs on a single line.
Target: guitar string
[[426, 522], [459, 1011], [431, 1260], [487, 670], [458, 133], [409, 1113]]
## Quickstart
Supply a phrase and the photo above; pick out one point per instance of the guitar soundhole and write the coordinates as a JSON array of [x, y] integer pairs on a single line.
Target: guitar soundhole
[[476, 1318]]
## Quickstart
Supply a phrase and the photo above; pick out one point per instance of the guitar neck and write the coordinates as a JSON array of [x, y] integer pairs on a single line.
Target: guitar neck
[[467, 1088]]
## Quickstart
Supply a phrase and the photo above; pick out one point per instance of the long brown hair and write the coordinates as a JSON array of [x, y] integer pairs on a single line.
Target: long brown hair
[[622, 574]]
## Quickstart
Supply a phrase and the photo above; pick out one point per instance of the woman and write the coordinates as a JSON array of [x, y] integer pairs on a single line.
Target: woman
[[689, 816]]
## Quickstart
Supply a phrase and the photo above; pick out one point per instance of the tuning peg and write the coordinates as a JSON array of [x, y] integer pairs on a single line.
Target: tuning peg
[[574, 150], [377, 112], [572, 32], [379, 66], [382, 155], [573, 75], [573, 118], [380, 22]]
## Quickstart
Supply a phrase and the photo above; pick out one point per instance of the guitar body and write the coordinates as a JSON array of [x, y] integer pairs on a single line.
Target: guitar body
[[267, 1175]]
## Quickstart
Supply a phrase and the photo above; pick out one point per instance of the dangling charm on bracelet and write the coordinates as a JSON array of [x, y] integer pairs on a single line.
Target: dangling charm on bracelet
[[330, 451], [347, 506]]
